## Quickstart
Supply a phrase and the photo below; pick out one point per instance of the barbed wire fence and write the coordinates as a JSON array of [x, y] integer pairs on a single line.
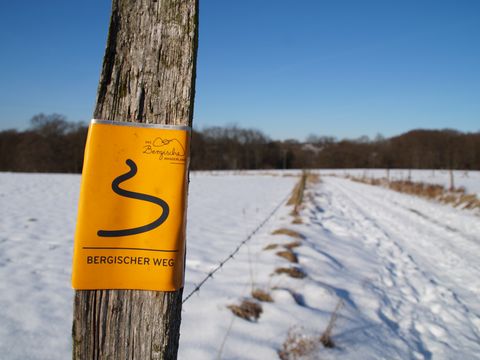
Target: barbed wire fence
[[236, 250]]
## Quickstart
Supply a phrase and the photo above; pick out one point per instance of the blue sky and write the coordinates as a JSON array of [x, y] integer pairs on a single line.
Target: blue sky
[[287, 67]]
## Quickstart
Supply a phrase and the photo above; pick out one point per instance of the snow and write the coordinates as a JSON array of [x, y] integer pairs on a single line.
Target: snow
[[469, 180], [405, 269]]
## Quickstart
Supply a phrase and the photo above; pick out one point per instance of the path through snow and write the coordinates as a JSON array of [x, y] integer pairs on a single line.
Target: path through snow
[[419, 264]]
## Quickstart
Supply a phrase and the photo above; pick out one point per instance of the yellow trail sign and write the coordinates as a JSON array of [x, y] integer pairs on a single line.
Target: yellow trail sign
[[131, 216]]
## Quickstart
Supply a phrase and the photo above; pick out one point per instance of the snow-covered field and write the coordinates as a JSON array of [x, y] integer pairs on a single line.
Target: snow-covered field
[[405, 269], [469, 180]]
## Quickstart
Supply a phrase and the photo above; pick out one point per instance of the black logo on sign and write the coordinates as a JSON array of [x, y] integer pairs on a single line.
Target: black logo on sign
[[165, 149], [138, 196]]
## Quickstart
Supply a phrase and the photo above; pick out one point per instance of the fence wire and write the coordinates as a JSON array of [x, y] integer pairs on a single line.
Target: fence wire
[[229, 257]]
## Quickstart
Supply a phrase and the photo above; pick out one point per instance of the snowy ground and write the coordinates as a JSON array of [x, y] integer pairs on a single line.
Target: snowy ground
[[470, 180], [406, 270]]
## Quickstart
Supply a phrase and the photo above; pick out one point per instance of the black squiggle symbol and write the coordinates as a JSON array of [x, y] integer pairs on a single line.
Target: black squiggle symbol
[[139, 196]]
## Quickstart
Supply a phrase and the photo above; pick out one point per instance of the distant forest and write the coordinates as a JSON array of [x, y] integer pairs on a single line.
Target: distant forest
[[52, 144]]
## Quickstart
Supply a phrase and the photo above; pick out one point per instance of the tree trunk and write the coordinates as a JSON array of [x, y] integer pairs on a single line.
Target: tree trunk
[[148, 76]]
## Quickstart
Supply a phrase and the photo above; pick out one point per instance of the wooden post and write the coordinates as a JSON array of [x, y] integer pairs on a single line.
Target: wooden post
[[148, 76], [452, 180]]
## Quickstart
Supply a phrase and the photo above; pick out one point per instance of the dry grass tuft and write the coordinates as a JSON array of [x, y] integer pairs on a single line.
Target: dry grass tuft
[[313, 178], [293, 272], [326, 338], [297, 220], [262, 295], [248, 310], [297, 345], [289, 232], [455, 197], [297, 195], [470, 201], [292, 245], [327, 341], [270, 247], [288, 254]]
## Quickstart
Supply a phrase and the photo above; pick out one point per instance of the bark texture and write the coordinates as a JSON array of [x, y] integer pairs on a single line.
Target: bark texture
[[148, 76], [149, 66]]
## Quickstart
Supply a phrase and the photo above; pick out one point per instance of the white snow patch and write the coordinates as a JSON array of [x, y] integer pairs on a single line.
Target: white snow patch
[[406, 269]]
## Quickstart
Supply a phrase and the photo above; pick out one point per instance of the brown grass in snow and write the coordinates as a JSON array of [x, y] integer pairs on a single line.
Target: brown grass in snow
[[456, 197], [262, 295], [326, 338], [297, 220], [292, 245], [297, 345], [288, 232], [293, 272], [270, 247], [288, 255], [248, 310]]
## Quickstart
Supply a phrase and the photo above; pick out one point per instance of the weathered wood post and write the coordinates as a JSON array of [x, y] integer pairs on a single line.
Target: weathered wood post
[[452, 180], [148, 76]]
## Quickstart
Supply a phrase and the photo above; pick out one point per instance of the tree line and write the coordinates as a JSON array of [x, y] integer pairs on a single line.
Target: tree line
[[52, 144]]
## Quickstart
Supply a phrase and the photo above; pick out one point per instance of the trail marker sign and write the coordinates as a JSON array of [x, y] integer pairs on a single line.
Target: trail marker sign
[[131, 216]]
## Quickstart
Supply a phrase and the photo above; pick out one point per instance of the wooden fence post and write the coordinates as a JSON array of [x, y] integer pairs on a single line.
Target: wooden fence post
[[452, 180], [148, 76]]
